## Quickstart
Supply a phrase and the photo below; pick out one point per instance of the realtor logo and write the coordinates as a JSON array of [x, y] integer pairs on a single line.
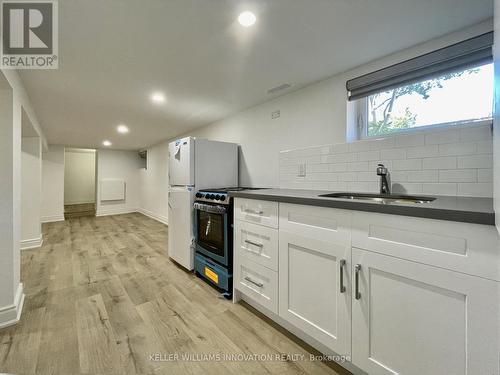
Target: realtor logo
[[29, 35]]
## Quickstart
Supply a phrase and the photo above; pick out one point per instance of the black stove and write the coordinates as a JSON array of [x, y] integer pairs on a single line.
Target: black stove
[[218, 196], [213, 216]]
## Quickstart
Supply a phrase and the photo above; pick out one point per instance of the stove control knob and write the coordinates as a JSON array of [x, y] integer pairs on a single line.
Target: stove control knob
[[222, 197], [217, 197], [199, 195], [210, 196]]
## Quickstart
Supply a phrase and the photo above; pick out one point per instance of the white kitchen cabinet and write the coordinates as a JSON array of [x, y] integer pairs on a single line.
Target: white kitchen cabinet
[[327, 224], [258, 282], [414, 319], [428, 296], [257, 243], [468, 248], [256, 211], [314, 289]]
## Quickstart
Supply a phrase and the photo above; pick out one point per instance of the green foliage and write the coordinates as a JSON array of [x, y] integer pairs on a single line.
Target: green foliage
[[381, 105]]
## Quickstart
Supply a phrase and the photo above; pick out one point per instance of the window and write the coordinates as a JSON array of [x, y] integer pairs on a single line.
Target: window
[[455, 98], [446, 87]]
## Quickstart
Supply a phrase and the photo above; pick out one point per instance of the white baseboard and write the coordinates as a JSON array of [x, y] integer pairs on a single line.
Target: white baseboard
[[115, 211], [11, 314], [77, 202], [162, 219], [52, 218], [31, 244]]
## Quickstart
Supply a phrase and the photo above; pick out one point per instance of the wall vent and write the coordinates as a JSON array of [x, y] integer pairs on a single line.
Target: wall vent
[[276, 89]]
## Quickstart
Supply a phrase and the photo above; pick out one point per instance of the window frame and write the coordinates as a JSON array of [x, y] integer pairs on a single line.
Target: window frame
[[361, 123]]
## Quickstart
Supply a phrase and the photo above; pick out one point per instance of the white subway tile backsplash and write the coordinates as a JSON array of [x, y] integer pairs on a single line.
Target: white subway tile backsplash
[[446, 162], [395, 153], [339, 148], [458, 175], [475, 190], [457, 149], [475, 161], [347, 176], [361, 186], [338, 186], [407, 188], [440, 163], [407, 165], [358, 166], [440, 189], [383, 143], [476, 133], [423, 176], [368, 155], [359, 146], [315, 168], [320, 185], [341, 158], [442, 137], [485, 175], [400, 176], [368, 176], [409, 140], [422, 151], [338, 167], [485, 147]]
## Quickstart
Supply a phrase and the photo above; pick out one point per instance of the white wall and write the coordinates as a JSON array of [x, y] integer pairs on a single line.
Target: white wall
[[154, 183], [13, 99], [31, 181], [53, 184], [314, 115], [123, 165], [79, 176], [496, 121]]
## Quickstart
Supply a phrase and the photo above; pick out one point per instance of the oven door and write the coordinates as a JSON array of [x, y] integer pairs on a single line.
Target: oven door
[[211, 232]]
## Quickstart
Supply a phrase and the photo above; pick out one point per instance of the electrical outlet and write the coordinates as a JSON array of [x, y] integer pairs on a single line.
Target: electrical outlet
[[275, 114], [302, 170]]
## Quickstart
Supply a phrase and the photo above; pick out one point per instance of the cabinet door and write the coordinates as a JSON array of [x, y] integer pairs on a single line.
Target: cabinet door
[[415, 319], [309, 294]]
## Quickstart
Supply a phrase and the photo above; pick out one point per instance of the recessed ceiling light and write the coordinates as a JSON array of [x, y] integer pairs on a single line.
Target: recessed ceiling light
[[158, 97], [247, 19], [106, 143], [123, 129]]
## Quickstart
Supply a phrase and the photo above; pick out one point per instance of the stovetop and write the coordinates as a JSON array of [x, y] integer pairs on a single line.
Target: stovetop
[[219, 195]]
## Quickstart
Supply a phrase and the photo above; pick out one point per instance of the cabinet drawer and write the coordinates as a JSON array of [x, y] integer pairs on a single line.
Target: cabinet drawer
[[461, 247], [257, 243], [257, 282], [325, 224], [256, 211]]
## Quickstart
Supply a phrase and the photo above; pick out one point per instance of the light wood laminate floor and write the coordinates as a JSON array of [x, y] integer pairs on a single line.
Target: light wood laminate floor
[[102, 296]]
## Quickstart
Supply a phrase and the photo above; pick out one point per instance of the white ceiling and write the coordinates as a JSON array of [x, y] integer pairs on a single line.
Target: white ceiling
[[114, 53]]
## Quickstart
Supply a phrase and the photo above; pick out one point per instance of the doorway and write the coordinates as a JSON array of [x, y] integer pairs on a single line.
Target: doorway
[[79, 183]]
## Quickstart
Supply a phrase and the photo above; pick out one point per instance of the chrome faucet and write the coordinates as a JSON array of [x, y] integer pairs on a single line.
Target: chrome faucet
[[385, 185]]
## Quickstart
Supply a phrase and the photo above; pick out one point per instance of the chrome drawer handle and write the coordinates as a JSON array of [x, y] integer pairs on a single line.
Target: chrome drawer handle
[[357, 269], [260, 285], [254, 243], [255, 212], [342, 286]]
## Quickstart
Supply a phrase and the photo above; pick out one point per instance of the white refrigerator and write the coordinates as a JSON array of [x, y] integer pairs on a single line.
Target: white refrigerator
[[194, 164]]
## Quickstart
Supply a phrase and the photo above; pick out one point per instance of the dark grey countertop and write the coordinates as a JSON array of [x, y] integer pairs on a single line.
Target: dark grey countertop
[[463, 209]]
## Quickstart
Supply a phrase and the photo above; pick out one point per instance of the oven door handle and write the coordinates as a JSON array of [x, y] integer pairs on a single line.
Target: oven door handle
[[209, 208]]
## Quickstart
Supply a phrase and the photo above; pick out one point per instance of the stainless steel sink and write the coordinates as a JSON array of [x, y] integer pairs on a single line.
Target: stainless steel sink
[[382, 198]]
